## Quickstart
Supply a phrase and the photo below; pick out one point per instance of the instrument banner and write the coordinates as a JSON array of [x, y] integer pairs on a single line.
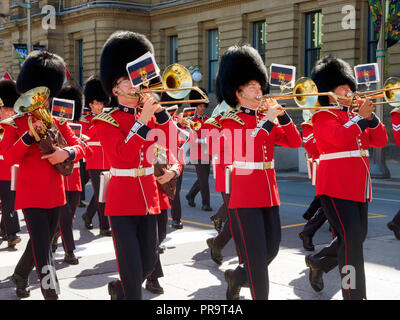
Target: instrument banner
[[142, 70], [76, 128], [63, 108], [367, 73], [189, 112], [282, 75]]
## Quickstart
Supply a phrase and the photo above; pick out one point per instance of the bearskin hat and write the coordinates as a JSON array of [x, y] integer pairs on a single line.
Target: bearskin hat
[[218, 92], [8, 93], [94, 91], [330, 72], [238, 66], [42, 68], [121, 48], [72, 91], [113, 102], [194, 95]]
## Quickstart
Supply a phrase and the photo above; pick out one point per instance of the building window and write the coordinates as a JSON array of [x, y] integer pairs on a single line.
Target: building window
[[313, 37], [213, 48], [260, 37], [372, 42], [173, 49], [80, 61]]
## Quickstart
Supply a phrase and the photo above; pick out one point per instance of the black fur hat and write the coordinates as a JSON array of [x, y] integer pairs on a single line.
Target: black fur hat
[[8, 93], [330, 72], [94, 91], [121, 48], [72, 92], [42, 68], [238, 66], [194, 95], [218, 92]]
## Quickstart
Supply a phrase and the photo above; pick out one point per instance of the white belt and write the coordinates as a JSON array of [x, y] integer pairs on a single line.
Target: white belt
[[76, 165], [202, 141], [254, 165], [94, 143], [345, 154], [1, 157], [135, 172]]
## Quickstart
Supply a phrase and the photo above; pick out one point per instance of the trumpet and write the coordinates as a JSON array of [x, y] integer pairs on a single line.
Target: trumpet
[[305, 94], [195, 125], [176, 82]]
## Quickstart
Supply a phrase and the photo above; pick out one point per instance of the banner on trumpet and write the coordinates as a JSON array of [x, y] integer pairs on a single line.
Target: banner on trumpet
[[282, 75], [367, 73], [142, 70]]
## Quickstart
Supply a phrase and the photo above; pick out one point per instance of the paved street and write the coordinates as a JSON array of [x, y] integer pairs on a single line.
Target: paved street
[[190, 274]]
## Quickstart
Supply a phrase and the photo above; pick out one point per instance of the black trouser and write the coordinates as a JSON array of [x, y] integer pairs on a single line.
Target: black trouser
[[136, 247], [257, 233], [9, 216], [162, 221], [225, 235], [176, 208], [41, 224], [201, 184], [313, 207], [84, 178], [396, 219], [94, 204], [317, 220], [350, 221], [66, 218]]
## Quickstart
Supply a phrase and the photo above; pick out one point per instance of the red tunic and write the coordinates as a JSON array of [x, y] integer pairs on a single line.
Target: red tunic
[[39, 184], [129, 144], [339, 131], [253, 142], [396, 125], [95, 158], [197, 140], [5, 169]]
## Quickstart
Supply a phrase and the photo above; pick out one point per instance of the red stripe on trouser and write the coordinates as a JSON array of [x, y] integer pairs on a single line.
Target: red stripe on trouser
[[345, 244], [245, 251], [116, 256], [33, 252], [230, 226]]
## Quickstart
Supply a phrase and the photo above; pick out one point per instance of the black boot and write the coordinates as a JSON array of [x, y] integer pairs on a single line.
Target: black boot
[[70, 258], [215, 252], [190, 201], [88, 222], [307, 242], [217, 223], [315, 278], [233, 290], [395, 228], [115, 290], [154, 286], [22, 285], [13, 239]]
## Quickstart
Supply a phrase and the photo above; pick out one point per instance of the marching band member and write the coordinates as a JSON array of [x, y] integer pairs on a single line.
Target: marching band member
[[394, 225], [72, 183], [40, 188], [254, 201], [132, 198], [199, 155], [343, 179], [9, 217], [96, 161]]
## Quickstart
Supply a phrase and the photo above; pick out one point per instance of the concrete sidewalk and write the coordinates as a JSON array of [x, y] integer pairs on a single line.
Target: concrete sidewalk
[[204, 280]]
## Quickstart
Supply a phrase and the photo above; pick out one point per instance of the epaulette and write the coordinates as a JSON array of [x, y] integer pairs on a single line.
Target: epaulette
[[395, 110], [308, 122], [232, 115], [106, 117], [213, 122], [323, 110], [10, 121]]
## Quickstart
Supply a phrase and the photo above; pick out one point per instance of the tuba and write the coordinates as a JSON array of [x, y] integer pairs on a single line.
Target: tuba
[[35, 102]]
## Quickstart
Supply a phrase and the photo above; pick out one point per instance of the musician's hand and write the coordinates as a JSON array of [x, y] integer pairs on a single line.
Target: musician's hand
[[366, 109], [274, 110], [150, 105], [38, 126], [182, 121], [57, 156], [166, 177]]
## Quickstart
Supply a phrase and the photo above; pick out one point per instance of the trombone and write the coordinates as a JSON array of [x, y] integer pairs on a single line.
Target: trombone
[[390, 92], [176, 82], [305, 94]]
